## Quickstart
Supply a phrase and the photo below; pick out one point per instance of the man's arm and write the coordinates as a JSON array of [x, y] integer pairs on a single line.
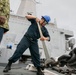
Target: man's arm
[[46, 34], [32, 17], [5, 11]]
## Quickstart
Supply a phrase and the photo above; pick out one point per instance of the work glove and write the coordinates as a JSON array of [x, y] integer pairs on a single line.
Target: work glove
[[2, 20]]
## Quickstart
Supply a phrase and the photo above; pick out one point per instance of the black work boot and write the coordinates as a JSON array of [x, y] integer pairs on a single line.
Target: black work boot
[[8, 67], [39, 72]]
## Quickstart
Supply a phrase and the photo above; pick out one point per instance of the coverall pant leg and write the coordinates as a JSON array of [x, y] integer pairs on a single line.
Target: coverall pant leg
[[22, 46], [1, 33], [34, 50]]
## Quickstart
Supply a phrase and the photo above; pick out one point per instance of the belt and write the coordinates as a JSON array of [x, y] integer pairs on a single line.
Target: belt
[[30, 38]]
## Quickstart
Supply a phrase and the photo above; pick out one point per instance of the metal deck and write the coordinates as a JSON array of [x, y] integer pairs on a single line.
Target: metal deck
[[19, 69]]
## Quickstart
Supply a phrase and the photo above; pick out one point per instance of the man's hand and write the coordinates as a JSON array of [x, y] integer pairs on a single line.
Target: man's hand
[[44, 38], [2, 20]]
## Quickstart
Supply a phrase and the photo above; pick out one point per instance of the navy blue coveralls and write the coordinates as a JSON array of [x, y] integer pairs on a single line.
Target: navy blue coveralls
[[29, 40], [1, 33]]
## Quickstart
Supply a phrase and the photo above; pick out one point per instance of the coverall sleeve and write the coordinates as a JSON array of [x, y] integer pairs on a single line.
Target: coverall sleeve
[[5, 8], [46, 33], [32, 21]]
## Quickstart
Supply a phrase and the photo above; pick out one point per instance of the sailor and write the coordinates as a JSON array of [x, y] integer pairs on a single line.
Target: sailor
[[4, 17], [30, 41]]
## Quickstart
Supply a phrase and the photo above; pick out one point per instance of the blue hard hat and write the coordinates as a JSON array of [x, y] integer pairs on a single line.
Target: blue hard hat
[[46, 18]]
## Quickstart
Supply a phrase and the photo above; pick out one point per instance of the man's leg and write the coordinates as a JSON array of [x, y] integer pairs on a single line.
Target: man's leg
[[22, 46], [1, 33], [34, 50]]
